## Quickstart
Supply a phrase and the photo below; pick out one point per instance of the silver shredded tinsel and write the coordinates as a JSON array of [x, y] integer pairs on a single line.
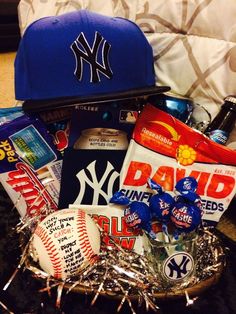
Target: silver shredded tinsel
[[122, 273]]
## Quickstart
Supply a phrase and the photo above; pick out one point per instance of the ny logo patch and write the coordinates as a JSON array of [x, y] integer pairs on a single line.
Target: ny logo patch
[[178, 266], [92, 55]]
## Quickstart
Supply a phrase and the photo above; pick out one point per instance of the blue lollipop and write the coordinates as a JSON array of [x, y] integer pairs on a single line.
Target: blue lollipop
[[186, 217], [161, 203], [185, 185], [138, 216]]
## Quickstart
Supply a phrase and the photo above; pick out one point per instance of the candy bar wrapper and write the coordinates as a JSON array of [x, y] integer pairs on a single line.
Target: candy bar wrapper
[[111, 219], [166, 150], [30, 166], [98, 141]]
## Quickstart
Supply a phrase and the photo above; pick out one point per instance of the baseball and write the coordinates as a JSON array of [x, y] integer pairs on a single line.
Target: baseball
[[64, 242]]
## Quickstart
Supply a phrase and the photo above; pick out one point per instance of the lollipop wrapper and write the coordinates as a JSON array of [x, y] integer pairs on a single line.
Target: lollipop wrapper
[[166, 150]]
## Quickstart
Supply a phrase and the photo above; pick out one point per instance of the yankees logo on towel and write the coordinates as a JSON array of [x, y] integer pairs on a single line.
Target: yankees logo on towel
[[84, 53]]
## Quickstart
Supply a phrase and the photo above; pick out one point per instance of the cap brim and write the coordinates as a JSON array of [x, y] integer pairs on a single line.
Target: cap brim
[[42, 105]]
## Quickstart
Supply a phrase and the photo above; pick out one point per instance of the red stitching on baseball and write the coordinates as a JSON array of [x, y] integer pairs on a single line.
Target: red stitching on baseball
[[86, 247], [51, 251]]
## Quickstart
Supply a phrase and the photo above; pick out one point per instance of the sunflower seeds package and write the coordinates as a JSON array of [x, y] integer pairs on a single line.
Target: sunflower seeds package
[[166, 150]]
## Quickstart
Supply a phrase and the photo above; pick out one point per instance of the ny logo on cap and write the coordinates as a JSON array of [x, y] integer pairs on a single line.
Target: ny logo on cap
[[83, 52]]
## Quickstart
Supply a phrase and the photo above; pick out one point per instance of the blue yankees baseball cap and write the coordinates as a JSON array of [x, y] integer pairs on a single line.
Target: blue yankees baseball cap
[[83, 57]]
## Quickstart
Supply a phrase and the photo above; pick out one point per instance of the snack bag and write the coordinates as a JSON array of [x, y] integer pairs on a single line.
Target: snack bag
[[166, 150], [30, 166]]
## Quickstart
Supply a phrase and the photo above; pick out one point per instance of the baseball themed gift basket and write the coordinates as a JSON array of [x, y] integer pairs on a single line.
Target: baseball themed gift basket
[[118, 196]]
